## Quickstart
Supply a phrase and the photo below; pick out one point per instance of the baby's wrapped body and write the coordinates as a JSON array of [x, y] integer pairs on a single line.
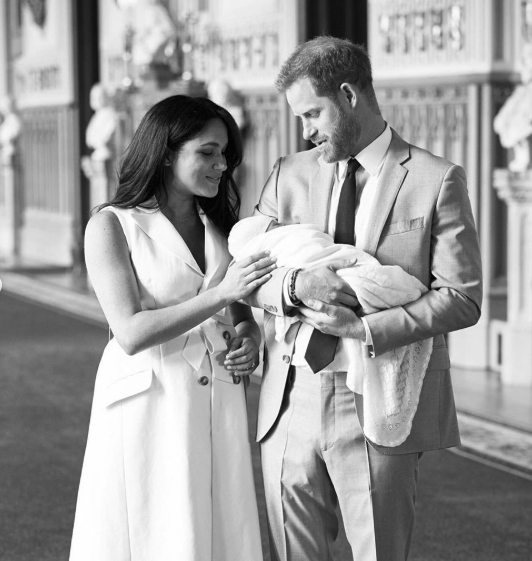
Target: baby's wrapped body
[[390, 383]]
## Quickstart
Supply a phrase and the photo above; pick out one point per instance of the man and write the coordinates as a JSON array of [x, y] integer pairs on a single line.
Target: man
[[405, 207]]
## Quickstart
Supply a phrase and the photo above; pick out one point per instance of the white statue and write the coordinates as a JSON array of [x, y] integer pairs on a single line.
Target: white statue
[[513, 123], [102, 125], [223, 94], [10, 127]]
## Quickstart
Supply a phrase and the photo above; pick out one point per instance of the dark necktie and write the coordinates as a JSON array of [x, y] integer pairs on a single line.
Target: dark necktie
[[322, 346]]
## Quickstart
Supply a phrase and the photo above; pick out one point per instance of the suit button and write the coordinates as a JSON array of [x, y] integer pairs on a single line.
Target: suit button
[[203, 381], [236, 379], [286, 359], [226, 335]]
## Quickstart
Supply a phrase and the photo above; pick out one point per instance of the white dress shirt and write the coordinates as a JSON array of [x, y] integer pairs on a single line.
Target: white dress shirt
[[371, 160]]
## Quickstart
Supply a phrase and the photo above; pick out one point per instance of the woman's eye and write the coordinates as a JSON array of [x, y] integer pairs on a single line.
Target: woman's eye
[[207, 153]]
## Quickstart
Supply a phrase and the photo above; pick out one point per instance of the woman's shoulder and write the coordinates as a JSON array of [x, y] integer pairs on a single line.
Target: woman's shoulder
[[113, 215], [105, 224], [104, 217]]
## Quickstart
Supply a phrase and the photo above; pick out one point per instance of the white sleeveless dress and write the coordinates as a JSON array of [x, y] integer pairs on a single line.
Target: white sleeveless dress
[[167, 474]]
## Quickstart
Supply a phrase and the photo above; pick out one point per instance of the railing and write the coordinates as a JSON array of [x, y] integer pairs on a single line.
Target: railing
[[49, 182]]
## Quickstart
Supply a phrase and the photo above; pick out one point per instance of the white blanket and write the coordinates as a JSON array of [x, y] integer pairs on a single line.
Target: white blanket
[[390, 383]]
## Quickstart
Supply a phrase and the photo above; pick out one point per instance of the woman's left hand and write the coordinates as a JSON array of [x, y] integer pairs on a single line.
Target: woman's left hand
[[242, 356]]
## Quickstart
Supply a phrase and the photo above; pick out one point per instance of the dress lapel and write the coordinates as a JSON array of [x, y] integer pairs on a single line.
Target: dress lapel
[[155, 225], [216, 255], [391, 178]]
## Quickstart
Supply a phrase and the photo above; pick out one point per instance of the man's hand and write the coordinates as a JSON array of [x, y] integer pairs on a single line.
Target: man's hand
[[335, 320], [322, 283]]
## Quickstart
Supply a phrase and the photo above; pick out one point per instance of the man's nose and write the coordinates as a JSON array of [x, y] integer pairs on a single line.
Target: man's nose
[[308, 131]]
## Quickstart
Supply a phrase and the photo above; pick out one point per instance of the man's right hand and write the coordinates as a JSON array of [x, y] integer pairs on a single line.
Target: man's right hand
[[322, 283]]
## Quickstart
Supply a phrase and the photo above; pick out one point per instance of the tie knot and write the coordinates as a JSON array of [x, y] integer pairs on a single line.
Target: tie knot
[[352, 166]]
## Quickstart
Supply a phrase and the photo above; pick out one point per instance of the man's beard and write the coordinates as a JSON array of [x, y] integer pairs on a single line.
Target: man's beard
[[346, 130]]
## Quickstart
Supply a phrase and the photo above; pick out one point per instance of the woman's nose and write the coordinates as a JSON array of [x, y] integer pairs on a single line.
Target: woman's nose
[[221, 164]]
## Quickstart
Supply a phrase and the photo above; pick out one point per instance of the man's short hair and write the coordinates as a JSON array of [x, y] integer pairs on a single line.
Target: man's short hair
[[327, 62]]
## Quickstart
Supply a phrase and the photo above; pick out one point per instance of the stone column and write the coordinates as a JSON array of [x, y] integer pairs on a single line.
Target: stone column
[[10, 245], [516, 190], [10, 128]]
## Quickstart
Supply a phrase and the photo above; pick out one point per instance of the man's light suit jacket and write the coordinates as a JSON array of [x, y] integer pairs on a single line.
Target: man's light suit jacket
[[421, 220]]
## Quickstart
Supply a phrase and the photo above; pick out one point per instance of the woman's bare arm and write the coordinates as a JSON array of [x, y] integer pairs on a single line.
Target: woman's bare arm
[[115, 285]]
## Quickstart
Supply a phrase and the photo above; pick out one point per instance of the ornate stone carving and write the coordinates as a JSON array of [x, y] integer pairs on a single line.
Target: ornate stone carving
[[432, 117], [456, 24], [420, 32], [38, 11], [231, 52], [221, 92], [151, 35], [417, 27]]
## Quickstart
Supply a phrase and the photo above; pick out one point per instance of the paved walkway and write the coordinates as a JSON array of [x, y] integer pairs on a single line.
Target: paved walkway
[[466, 510], [495, 420]]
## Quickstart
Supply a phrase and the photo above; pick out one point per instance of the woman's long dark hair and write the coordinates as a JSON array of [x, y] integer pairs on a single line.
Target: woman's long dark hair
[[167, 126]]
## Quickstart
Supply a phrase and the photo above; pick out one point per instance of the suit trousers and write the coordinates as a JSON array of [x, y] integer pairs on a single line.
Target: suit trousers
[[316, 458]]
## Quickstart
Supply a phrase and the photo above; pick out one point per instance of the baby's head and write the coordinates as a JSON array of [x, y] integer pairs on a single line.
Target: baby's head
[[247, 229]]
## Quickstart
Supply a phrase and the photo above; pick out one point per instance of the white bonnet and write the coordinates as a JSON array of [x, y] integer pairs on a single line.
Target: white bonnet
[[245, 230]]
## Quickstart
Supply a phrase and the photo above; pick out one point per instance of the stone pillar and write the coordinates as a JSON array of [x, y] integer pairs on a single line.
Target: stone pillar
[[516, 190], [10, 243], [10, 128]]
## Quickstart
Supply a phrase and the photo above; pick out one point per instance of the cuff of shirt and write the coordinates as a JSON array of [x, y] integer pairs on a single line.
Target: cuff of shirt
[[287, 302], [369, 339]]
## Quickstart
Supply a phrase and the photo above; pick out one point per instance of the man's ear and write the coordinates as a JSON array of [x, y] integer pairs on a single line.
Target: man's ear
[[349, 93]]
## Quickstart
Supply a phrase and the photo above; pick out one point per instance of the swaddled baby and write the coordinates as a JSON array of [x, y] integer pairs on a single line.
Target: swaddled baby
[[390, 383]]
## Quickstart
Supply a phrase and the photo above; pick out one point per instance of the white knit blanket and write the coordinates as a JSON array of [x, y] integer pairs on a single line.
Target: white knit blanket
[[390, 383]]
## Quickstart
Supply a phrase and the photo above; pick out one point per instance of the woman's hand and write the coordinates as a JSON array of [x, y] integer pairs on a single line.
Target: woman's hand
[[242, 356], [244, 276]]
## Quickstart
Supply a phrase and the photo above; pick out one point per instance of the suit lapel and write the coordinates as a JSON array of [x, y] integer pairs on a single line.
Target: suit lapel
[[392, 176], [320, 188]]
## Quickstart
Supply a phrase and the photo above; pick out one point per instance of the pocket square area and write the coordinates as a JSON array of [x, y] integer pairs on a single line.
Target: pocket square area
[[404, 226]]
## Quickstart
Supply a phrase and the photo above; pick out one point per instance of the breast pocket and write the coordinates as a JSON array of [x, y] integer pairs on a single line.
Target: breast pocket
[[403, 227], [402, 243]]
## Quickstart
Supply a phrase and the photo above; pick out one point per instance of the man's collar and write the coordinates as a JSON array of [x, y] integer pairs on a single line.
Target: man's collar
[[371, 157]]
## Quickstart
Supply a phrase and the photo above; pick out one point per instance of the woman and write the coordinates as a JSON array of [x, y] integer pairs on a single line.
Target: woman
[[167, 471]]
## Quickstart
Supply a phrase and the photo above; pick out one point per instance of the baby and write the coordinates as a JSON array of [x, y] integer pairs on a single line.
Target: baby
[[390, 383]]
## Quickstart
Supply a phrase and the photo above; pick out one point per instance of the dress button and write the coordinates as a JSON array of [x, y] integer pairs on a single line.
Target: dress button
[[226, 335], [286, 359], [236, 379], [203, 381]]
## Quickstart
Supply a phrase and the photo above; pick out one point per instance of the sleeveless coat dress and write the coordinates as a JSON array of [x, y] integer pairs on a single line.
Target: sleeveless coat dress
[[167, 474]]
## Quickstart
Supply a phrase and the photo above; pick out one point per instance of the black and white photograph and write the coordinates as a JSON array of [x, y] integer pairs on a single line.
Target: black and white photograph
[[265, 280]]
